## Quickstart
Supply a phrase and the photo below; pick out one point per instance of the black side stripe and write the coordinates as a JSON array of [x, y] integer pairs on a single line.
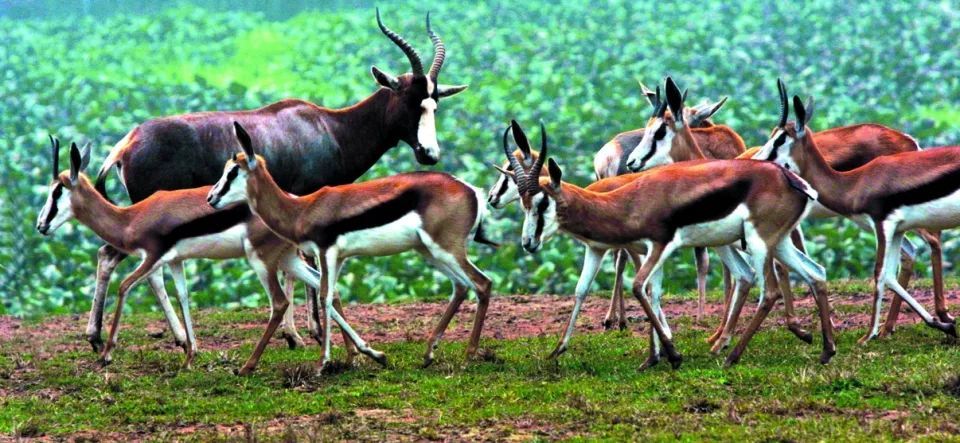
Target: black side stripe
[[382, 214]]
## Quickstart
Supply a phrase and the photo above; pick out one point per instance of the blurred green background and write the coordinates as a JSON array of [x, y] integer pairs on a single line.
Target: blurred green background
[[92, 70]]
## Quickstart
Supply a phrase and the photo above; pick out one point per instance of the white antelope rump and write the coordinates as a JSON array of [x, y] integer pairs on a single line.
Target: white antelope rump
[[712, 204], [167, 228], [609, 163], [900, 192], [433, 214]]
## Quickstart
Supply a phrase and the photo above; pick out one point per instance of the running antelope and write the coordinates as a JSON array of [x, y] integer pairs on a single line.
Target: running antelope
[[165, 229], [898, 193], [849, 147], [610, 162], [308, 146], [713, 203], [431, 213]]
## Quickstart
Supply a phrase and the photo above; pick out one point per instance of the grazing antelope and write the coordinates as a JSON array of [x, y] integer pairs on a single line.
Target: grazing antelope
[[712, 203], [609, 162], [434, 214], [165, 229], [306, 145], [898, 193]]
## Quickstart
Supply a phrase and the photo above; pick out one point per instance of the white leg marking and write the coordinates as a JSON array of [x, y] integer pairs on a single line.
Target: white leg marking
[[180, 284], [591, 264], [160, 290]]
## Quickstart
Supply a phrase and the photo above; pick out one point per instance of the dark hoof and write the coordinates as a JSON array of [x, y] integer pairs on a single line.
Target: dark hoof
[[557, 352], [607, 324], [730, 361], [649, 363], [158, 334], [427, 361], [97, 344], [673, 356], [103, 362], [379, 357], [948, 328], [827, 355], [804, 335], [291, 341], [945, 317], [623, 325]]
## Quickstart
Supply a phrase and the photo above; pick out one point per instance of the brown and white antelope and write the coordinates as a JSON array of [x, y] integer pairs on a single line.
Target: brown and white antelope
[[307, 146], [610, 162], [898, 193], [711, 203], [431, 213], [167, 228]]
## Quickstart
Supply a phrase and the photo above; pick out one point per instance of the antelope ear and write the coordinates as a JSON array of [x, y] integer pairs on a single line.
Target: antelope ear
[[555, 174], [520, 138], [246, 144], [809, 109], [505, 172], [649, 95], [450, 90], [84, 157], [76, 160], [384, 79], [800, 112], [675, 100]]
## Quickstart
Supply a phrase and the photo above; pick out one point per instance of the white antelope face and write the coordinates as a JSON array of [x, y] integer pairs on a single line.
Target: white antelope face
[[539, 222], [56, 210], [503, 192], [231, 188], [781, 147], [654, 148]]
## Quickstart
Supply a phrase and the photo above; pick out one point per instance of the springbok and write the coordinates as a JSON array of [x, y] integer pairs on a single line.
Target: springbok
[[898, 193], [434, 214], [167, 228], [609, 162], [308, 146], [850, 147], [713, 203]]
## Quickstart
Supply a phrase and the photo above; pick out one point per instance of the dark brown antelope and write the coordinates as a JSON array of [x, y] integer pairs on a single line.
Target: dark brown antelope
[[898, 193], [434, 214], [609, 162], [167, 228], [306, 145], [713, 203]]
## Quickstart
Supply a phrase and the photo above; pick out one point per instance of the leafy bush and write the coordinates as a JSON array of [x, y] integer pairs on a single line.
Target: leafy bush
[[572, 64]]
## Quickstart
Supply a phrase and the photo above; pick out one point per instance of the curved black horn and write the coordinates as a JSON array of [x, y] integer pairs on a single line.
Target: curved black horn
[[538, 165], [411, 53], [783, 103], [518, 171], [55, 145], [439, 50]]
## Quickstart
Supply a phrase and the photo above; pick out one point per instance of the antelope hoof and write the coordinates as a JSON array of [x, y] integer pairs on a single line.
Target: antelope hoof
[[293, 342], [158, 334], [650, 362], [607, 324], [378, 357], [560, 349], [244, 371], [945, 317], [801, 333], [827, 355], [674, 358], [104, 361], [731, 360], [623, 325], [866, 339], [720, 345], [97, 343], [948, 328], [886, 331], [427, 361]]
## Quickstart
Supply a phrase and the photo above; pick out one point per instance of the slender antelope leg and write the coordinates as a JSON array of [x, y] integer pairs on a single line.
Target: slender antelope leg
[[327, 276], [620, 263], [903, 276], [148, 265], [591, 264], [745, 278], [459, 294], [789, 315], [108, 258], [890, 277], [703, 267], [879, 283], [180, 284], [289, 325], [482, 286], [728, 290], [347, 343], [656, 255], [936, 262], [278, 306], [769, 301], [173, 322]]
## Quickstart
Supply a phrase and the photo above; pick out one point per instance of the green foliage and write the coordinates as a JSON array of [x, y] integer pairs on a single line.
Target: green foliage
[[572, 64]]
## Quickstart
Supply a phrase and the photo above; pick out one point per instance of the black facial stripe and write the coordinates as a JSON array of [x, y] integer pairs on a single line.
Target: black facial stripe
[[661, 132], [541, 208], [55, 198], [503, 187], [379, 215], [232, 175]]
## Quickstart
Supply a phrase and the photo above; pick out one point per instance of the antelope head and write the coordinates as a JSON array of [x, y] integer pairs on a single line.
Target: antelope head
[[58, 209], [232, 186], [537, 197], [786, 137], [661, 132], [413, 104]]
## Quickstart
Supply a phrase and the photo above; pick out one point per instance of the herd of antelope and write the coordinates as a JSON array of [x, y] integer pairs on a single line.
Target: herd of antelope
[[275, 185]]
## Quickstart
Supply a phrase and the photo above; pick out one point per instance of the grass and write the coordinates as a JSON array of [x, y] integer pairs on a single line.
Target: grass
[[895, 388]]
